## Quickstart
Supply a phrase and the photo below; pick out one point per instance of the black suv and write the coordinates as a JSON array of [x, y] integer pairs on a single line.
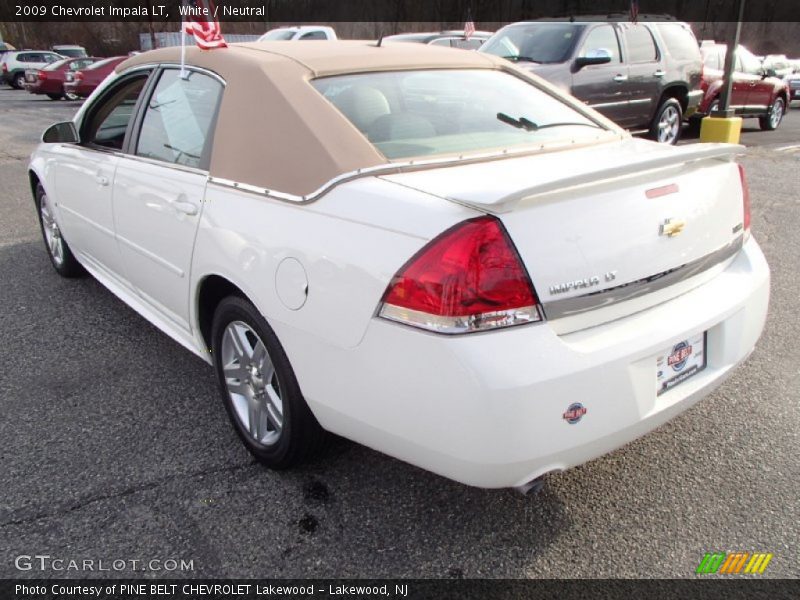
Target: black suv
[[644, 76]]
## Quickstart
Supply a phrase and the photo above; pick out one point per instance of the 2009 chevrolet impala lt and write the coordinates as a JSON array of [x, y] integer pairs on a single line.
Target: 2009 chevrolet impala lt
[[421, 249]]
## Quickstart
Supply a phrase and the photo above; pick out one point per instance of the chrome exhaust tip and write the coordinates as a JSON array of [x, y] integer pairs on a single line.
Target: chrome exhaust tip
[[533, 487]]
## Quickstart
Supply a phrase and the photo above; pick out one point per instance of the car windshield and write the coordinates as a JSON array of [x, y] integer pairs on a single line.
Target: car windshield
[[535, 42], [418, 113], [277, 35]]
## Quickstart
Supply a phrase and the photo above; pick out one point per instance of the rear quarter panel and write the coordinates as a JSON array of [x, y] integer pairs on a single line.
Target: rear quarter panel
[[350, 243]]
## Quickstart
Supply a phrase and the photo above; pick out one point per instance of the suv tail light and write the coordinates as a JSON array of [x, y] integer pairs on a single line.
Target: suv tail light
[[745, 201], [470, 278]]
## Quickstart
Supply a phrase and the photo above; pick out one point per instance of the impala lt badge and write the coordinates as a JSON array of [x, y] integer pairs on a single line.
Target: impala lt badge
[[672, 227]]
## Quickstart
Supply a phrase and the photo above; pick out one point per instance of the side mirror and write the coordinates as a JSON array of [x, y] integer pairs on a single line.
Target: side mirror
[[61, 133], [595, 56]]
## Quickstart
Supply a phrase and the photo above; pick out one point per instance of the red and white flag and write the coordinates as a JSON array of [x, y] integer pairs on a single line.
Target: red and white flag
[[201, 22], [469, 29]]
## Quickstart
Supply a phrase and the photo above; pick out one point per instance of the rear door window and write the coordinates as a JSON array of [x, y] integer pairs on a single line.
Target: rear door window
[[640, 44], [179, 119]]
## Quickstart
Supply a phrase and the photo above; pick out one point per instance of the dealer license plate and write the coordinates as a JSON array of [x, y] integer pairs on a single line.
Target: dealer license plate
[[679, 362]]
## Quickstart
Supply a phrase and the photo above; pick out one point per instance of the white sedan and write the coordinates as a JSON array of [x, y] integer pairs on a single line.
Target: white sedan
[[424, 250]]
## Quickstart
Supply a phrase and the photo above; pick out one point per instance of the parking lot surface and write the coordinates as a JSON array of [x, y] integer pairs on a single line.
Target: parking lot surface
[[114, 443]]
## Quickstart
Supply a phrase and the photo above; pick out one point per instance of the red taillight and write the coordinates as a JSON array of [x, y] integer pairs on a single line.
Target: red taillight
[[470, 278], [42, 75], [78, 75], [745, 200]]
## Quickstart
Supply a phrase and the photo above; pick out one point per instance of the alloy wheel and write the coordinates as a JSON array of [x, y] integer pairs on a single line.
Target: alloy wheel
[[669, 125], [52, 234], [776, 114], [252, 383]]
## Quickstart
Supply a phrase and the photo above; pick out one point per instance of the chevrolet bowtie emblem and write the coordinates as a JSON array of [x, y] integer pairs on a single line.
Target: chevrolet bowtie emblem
[[672, 227]]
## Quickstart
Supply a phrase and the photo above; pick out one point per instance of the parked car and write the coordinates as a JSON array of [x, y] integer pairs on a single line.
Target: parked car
[[70, 50], [425, 250], [81, 84], [50, 79], [793, 81], [756, 92], [645, 77], [299, 33], [452, 39], [13, 64]]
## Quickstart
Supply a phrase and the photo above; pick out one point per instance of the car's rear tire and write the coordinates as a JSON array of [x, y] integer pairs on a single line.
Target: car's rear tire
[[55, 96], [666, 126], [61, 256], [18, 81], [259, 388], [770, 121]]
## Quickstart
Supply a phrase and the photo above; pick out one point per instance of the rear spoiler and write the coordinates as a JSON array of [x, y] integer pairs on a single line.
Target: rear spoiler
[[682, 155]]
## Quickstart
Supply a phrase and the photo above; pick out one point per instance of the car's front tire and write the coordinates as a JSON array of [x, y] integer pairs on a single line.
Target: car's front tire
[[770, 121], [259, 389], [61, 256], [666, 125]]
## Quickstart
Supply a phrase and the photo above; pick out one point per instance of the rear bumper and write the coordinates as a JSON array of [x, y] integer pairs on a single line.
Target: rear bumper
[[488, 409]]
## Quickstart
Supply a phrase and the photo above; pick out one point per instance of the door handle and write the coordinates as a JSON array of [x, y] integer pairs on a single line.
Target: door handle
[[101, 180], [187, 208], [659, 73], [620, 78]]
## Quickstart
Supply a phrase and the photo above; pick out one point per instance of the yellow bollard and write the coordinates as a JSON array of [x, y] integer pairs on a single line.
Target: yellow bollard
[[721, 129]]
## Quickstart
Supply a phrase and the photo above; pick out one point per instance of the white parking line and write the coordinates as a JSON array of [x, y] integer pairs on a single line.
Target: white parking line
[[789, 148]]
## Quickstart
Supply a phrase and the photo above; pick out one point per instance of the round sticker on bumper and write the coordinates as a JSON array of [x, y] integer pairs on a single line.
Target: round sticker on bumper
[[574, 413]]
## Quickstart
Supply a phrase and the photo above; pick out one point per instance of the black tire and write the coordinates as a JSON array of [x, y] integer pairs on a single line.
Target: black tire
[[300, 436], [55, 96], [773, 118], [63, 261], [18, 81], [667, 122], [713, 107]]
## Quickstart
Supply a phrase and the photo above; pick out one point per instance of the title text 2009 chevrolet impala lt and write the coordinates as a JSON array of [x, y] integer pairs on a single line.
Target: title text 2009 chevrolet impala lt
[[421, 249]]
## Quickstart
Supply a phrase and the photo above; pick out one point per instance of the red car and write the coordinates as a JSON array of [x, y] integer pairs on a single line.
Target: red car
[[50, 79], [756, 92], [82, 83]]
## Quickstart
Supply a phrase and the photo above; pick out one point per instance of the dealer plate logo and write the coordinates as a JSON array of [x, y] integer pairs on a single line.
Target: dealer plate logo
[[574, 413]]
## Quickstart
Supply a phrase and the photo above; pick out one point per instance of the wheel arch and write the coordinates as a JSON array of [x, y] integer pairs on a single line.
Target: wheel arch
[[211, 290], [34, 181], [679, 91]]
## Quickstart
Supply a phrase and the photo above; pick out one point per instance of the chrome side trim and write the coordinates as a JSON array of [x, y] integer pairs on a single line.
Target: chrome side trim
[[411, 165], [634, 289]]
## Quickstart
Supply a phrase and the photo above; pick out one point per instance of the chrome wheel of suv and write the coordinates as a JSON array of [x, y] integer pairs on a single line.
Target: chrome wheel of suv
[[666, 127]]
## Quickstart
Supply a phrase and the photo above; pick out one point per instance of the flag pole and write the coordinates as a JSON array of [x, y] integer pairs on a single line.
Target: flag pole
[[184, 74]]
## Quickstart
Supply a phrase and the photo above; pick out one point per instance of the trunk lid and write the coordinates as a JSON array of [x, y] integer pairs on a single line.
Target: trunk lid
[[607, 230]]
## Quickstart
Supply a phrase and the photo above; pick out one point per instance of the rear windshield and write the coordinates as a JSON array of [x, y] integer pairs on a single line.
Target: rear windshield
[[278, 35], [542, 43], [418, 113]]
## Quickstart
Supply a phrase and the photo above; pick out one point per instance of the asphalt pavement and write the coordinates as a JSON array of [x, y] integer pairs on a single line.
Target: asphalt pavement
[[114, 444]]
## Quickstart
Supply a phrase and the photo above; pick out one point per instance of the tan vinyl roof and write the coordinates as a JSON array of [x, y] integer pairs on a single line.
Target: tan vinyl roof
[[274, 130]]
